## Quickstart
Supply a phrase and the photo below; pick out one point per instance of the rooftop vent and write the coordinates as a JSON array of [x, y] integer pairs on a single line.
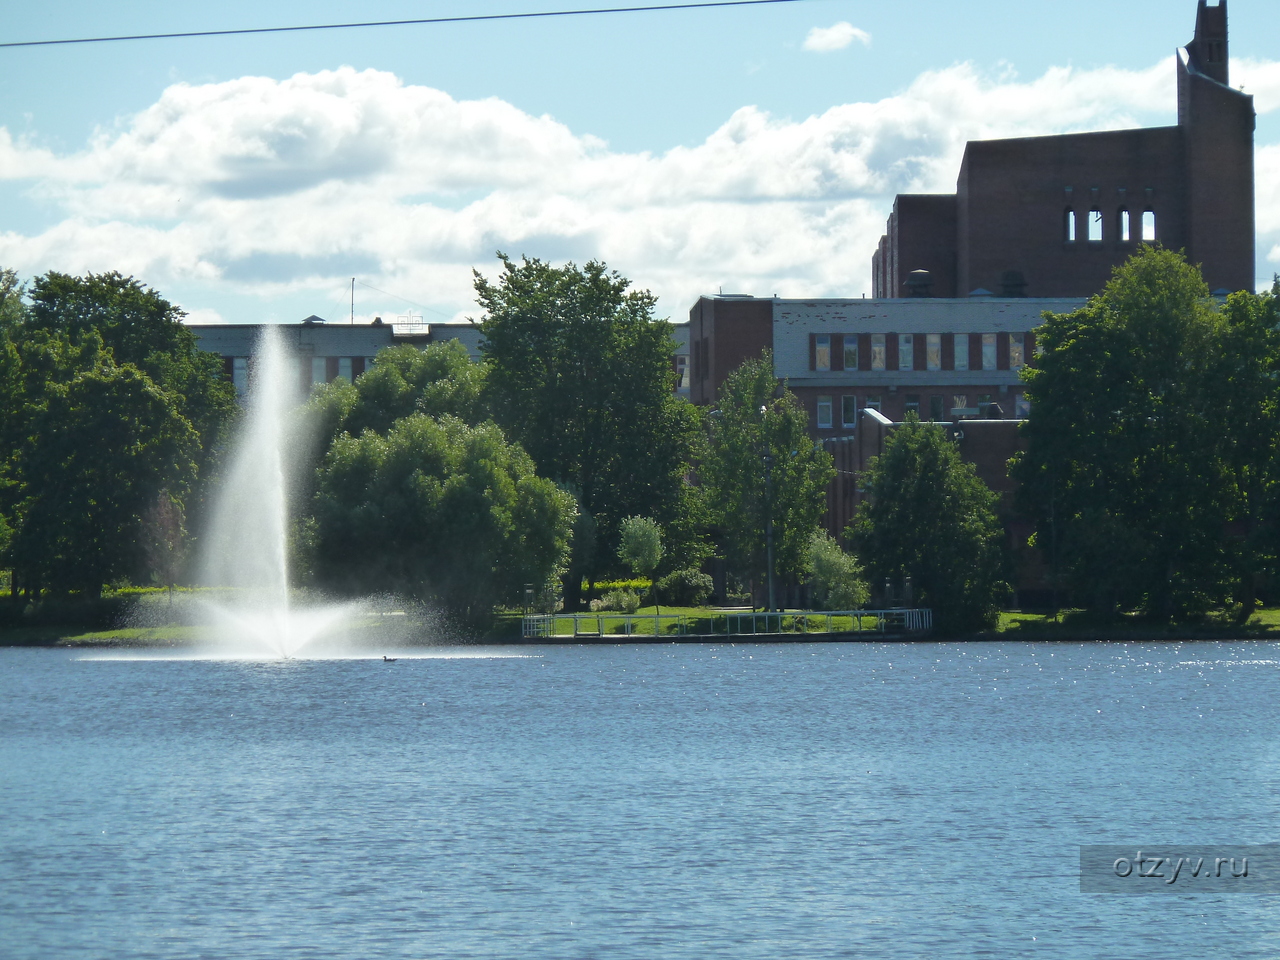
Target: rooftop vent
[[313, 319], [1012, 284], [919, 283]]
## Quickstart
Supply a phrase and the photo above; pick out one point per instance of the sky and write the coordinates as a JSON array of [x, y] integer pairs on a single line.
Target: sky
[[745, 150]]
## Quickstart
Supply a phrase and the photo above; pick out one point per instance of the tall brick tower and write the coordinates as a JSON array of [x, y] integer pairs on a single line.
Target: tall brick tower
[[1217, 131]]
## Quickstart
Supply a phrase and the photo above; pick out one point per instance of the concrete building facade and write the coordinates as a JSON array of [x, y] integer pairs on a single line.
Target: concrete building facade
[[323, 351]]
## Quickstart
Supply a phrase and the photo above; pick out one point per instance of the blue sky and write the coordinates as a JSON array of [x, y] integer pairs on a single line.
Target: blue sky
[[691, 150]]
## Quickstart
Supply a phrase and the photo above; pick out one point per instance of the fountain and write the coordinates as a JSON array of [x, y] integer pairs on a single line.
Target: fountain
[[246, 552]]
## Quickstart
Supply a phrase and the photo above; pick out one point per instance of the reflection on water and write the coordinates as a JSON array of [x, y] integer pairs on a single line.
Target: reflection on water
[[865, 800]]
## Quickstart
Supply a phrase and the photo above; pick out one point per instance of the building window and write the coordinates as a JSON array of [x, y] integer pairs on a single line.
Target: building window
[[877, 352], [344, 369], [1021, 407], [959, 404], [824, 413], [873, 402], [1122, 227], [906, 352], [961, 341], [988, 351], [849, 410], [682, 372], [933, 351], [936, 409], [240, 375], [984, 401], [851, 351], [1095, 226], [1069, 226], [1148, 226], [912, 405], [822, 352], [318, 370], [1017, 351]]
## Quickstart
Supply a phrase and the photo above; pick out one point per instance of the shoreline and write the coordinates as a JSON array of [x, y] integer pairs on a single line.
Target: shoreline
[[54, 638]]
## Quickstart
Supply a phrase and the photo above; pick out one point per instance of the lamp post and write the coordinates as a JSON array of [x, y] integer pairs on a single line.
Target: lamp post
[[768, 509]]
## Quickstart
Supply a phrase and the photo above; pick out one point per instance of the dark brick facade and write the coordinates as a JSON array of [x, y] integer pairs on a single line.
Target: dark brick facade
[[1046, 216], [724, 332]]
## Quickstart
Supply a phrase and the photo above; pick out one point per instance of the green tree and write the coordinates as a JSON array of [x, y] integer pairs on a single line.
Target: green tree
[[104, 398], [439, 380], [1151, 437], [441, 511], [103, 445], [761, 464], [929, 517], [836, 576], [581, 376], [640, 548], [139, 327]]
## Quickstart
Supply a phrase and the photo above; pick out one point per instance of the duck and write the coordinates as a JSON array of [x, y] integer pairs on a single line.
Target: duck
[[386, 659]]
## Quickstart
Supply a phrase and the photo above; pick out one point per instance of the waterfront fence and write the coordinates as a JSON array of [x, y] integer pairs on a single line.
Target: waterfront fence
[[901, 622]]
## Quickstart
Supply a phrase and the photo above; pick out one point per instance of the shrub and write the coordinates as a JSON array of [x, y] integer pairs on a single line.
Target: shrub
[[623, 601], [685, 588], [837, 577]]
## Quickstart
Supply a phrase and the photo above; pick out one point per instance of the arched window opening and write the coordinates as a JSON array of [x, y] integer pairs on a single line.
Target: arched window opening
[[1069, 226], [1149, 226], [1095, 226], [1123, 227]]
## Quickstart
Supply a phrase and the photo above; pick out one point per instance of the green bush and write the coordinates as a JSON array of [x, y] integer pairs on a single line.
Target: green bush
[[685, 588], [622, 601]]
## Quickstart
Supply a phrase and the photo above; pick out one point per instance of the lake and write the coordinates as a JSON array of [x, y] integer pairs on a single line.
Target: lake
[[771, 801]]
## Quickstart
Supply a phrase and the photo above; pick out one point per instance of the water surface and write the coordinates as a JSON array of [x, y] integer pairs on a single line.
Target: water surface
[[806, 800]]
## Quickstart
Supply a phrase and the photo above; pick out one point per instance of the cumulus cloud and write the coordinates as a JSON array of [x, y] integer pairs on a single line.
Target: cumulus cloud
[[835, 37], [264, 187]]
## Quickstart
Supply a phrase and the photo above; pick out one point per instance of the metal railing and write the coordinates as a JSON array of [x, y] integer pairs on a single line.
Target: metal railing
[[899, 622]]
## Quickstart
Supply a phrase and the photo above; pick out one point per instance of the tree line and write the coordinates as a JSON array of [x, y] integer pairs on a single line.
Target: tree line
[[565, 458]]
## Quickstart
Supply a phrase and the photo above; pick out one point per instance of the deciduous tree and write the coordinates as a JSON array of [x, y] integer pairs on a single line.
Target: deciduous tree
[[928, 516], [1150, 446], [640, 548], [761, 464], [582, 377], [439, 510]]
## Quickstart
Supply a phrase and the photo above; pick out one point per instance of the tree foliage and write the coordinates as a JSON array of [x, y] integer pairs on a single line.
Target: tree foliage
[[581, 376], [640, 546], [835, 576], [104, 442], [438, 380], [1152, 438], [439, 510], [140, 328], [929, 517], [106, 402], [754, 423]]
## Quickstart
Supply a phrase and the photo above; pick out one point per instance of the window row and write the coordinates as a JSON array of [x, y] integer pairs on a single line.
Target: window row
[[914, 351], [937, 407], [311, 370], [1124, 227]]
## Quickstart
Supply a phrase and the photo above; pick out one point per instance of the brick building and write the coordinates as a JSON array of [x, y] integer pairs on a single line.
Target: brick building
[[1050, 216], [961, 281]]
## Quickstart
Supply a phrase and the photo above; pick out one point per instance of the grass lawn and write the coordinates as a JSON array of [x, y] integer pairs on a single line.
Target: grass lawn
[[1077, 625]]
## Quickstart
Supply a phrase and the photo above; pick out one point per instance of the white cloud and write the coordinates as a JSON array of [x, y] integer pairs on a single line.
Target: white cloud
[[835, 37], [262, 187]]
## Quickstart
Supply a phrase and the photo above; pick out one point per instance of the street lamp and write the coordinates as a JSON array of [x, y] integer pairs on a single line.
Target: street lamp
[[768, 508]]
